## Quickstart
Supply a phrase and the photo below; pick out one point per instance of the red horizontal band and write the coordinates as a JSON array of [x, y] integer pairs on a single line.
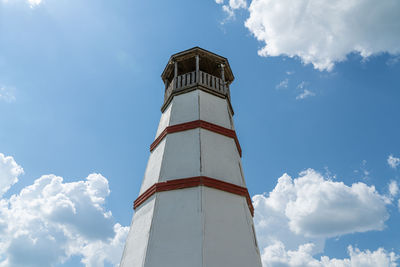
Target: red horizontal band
[[197, 124], [193, 182]]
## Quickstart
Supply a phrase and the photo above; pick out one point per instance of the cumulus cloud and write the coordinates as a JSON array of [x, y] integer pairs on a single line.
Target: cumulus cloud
[[393, 161], [312, 208], [315, 206], [322, 33], [298, 215], [277, 255], [51, 220], [9, 172]]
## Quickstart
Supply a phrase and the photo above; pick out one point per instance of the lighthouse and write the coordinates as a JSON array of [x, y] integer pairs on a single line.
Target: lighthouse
[[193, 208]]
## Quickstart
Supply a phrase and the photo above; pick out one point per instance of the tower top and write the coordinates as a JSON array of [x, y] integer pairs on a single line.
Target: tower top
[[209, 62], [197, 68]]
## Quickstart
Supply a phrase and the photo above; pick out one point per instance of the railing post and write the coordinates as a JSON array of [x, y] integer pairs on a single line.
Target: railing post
[[175, 73], [197, 68], [223, 76]]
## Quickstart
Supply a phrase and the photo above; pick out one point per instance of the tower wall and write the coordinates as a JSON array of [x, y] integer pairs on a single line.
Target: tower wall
[[193, 208]]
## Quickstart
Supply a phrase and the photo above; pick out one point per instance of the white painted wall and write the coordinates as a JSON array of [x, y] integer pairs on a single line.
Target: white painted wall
[[185, 107], [200, 226], [152, 173], [196, 105], [177, 232], [220, 158], [196, 227], [228, 237], [138, 236], [214, 109], [164, 120], [182, 155]]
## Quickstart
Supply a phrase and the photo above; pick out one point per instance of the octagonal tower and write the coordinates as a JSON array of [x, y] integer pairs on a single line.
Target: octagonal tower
[[193, 207]]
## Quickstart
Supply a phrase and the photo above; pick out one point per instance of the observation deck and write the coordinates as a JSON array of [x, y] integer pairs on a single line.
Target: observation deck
[[197, 68]]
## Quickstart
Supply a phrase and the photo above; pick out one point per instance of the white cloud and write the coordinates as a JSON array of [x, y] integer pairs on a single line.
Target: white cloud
[[314, 208], [393, 188], [283, 84], [34, 3], [7, 93], [9, 172], [230, 13], [51, 220], [230, 8], [236, 4], [325, 32], [321, 207], [298, 215], [277, 255], [393, 161], [306, 93]]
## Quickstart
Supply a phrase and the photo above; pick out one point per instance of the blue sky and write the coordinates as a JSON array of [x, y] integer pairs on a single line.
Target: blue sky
[[315, 96]]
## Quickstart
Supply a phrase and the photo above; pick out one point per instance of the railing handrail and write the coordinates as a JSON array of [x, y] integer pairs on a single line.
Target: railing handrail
[[190, 78]]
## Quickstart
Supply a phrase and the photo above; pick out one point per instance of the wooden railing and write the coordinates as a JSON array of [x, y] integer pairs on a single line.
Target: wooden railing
[[190, 79], [186, 79], [212, 82]]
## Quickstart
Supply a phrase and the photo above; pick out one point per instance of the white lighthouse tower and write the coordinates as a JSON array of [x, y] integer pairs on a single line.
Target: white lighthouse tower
[[193, 209]]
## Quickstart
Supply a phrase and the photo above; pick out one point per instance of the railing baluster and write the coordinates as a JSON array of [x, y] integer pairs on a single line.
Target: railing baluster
[[202, 78]]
